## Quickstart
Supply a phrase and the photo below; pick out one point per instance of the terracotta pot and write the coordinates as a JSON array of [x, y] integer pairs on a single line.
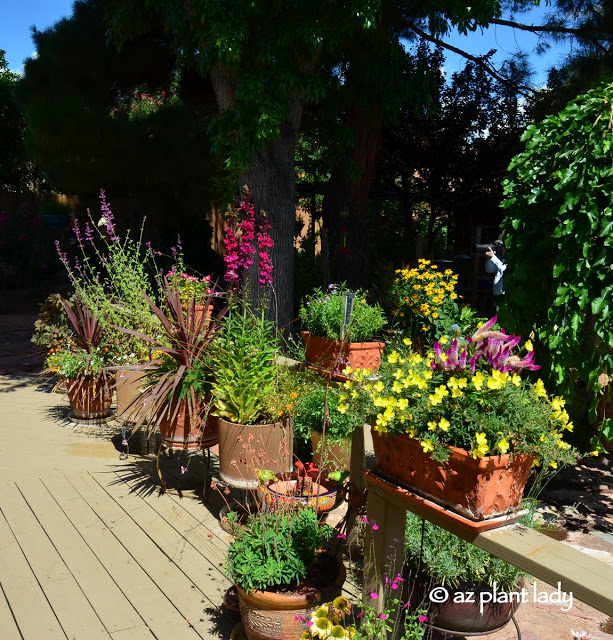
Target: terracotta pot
[[245, 448], [476, 489], [90, 398], [202, 311], [271, 615], [321, 493], [330, 354], [468, 617], [189, 432], [337, 456], [127, 391]]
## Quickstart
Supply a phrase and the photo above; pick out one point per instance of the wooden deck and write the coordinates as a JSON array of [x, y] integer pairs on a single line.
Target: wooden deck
[[88, 556]]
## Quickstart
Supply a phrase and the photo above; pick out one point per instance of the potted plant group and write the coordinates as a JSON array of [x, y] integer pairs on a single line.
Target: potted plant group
[[326, 415], [340, 328], [176, 393], [441, 563], [281, 572], [460, 426], [81, 361], [254, 396]]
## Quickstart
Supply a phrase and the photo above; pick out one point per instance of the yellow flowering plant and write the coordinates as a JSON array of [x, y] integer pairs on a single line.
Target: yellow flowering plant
[[424, 301], [472, 395]]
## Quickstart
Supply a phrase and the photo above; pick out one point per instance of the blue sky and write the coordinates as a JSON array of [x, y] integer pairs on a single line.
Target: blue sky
[[19, 16]]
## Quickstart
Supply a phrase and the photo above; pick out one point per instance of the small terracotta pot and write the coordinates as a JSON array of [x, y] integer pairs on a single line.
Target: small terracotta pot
[[476, 489], [321, 495], [330, 354], [201, 311], [271, 615], [90, 398], [245, 448], [336, 457], [189, 432]]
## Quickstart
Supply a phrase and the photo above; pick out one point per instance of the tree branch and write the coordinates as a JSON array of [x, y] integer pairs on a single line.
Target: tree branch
[[523, 90]]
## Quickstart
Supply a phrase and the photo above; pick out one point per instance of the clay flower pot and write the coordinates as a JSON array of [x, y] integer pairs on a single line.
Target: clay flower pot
[[90, 398], [330, 354], [318, 492], [189, 432], [245, 448], [127, 390], [476, 489], [271, 615]]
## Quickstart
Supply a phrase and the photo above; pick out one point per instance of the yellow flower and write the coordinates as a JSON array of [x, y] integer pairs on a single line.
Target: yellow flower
[[595, 452], [393, 357], [503, 446], [528, 346], [342, 408], [347, 371], [516, 380], [539, 389], [553, 464], [478, 380], [444, 340], [481, 447], [431, 425], [407, 341], [427, 445], [497, 380], [444, 424], [379, 386]]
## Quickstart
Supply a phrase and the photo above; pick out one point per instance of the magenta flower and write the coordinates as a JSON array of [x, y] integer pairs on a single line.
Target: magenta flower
[[423, 618], [383, 616], [374, 595]]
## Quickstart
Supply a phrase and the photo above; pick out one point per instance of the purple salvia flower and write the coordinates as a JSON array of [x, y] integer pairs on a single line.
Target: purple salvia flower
[[89, 232], [63, 256], [179, 245], [107, 216], [78, 268], [76, 229]]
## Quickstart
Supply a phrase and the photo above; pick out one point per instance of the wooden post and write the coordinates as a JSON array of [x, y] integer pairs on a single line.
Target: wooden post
[[325, 258]]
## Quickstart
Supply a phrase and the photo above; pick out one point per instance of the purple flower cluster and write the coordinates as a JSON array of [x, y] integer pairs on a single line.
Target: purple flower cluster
[[495, 347], [107, 216]]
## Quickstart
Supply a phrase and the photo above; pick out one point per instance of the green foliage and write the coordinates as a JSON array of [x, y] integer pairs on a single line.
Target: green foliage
[[51, 326], [69, 361], [322, 314], [559, 223], [274, 549], [449, 560], [245, 370], [346, 412]]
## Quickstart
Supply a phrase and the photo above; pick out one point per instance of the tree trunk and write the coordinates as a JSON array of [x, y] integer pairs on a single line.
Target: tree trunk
[[272, 181], [351, 262]]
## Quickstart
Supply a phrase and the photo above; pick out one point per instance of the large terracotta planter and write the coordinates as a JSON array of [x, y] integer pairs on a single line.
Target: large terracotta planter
[[330, 354], [245, 448], [336, 456], [477, 489], [127, 391], [271, 615], [189, 432], [90, 398], [319, 493]]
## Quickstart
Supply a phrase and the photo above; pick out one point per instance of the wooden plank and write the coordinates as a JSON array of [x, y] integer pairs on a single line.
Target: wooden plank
[[147, 551], [151, 601], [205, 573], [22, 591], [8, 625], [588, 579], [71, 607], [189, 517], [110, 604]]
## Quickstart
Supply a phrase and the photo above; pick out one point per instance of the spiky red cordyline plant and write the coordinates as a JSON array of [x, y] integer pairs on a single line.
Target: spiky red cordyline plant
[[189, 332]]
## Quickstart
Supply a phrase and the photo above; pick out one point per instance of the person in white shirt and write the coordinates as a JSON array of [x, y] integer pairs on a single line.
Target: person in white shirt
[[495, 264]]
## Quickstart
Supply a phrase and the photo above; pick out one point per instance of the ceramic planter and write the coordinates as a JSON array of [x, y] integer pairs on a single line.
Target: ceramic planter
[[189, 432], [201, 311], [476, 489], [337, 456], [330, 354], [470, 617], [127, 390], [245, 448], [90, 398], [319, 493], [269, 615]]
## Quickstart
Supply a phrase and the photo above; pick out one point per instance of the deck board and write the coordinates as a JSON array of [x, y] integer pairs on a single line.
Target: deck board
[[8, 627], [104, 534], [22, 590], [111, 605]]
